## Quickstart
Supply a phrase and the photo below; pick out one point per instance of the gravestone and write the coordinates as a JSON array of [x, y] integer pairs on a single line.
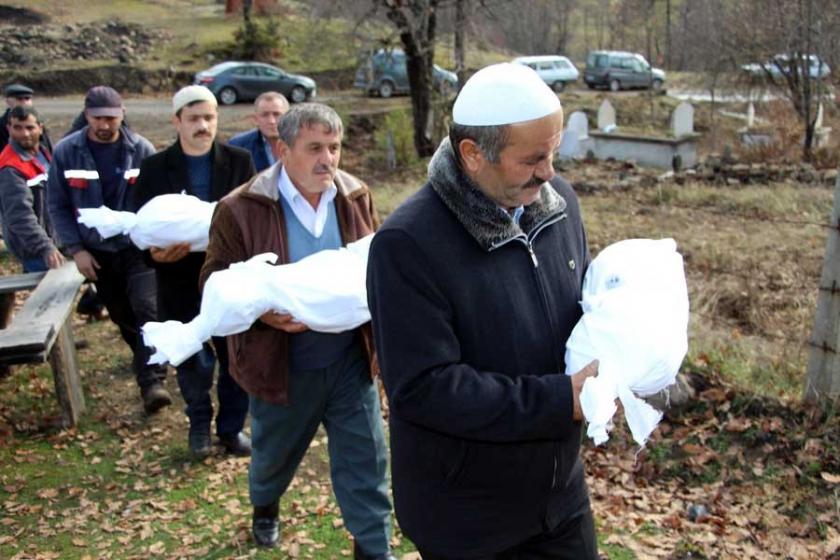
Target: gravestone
[[606, 116], [577, 132], [750, 115], [682, 120]]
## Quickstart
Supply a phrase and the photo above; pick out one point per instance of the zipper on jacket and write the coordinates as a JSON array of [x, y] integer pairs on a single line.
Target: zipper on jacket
[[554, 472]]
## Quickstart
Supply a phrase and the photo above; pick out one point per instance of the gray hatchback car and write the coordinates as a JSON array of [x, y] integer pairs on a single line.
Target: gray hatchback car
[[244, 81], [621, 70]]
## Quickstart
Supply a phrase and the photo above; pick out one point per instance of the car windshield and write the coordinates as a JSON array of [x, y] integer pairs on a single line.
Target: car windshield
[[644, 63]]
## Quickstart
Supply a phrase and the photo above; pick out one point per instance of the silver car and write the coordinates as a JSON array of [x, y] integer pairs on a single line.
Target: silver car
[[556, 71]]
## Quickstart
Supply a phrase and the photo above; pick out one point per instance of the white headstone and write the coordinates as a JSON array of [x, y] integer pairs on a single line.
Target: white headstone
[[819, 122], [606, 116], [682, 121], [569, 145], [579, 124], [750, 115]]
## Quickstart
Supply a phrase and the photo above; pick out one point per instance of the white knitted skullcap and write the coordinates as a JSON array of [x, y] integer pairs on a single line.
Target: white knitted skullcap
[[503, 94]]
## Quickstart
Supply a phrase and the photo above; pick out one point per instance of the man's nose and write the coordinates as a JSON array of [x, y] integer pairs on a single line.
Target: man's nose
[[545, 170]]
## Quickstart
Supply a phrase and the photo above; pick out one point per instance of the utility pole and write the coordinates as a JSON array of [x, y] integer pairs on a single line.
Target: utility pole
[[823, 383]]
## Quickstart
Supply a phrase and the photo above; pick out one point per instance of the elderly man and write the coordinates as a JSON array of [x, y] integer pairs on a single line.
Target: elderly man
[[298, 379], [23, 175], [263, 141], [473, 285], [198, 165], [19, 94], [92, 167]]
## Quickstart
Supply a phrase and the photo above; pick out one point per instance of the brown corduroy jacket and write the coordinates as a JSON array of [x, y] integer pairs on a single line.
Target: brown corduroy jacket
[[250, 221]]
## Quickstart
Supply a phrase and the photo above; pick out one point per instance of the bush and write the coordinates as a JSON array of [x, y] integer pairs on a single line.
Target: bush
[[255, 41], [395, 139]]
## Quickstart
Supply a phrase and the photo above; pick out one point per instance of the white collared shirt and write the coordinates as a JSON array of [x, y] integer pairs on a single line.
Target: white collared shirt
[[312, 219]]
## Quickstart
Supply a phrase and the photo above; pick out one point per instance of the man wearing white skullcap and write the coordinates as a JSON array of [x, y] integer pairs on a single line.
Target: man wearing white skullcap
[[199, 165], [473, 286]]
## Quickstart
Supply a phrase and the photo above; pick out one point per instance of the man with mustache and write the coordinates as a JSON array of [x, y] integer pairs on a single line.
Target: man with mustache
[[97, 166], [473, 286], [298, 379], [200, 166], [23, 175]]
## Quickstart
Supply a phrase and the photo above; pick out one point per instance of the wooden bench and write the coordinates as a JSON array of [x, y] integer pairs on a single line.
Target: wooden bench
[[42, 331]]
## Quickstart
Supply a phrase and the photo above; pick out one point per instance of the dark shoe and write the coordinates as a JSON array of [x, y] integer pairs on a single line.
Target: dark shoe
[[237, 444], [155, 397], [265, 525], [359, 554], [200, 443]]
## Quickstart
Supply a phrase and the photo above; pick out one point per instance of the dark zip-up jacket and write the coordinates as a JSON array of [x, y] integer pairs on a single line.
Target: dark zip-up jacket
[[253, 141], [166, 173], [26, 225], [74, 183], [250, 221], [470, 317]]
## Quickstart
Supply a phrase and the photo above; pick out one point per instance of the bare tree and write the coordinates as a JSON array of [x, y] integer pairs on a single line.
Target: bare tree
[[460, 47], [783, 37], [416, 24]]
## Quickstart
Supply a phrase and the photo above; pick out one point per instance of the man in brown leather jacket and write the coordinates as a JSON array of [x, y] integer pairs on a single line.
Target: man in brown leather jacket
[[297, 379]]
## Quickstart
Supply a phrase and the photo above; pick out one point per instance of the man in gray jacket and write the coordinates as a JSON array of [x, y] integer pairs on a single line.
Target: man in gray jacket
[[23, 176]]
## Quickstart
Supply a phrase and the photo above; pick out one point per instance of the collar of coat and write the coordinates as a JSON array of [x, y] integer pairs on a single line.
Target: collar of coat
[[264, 185], [479, 215]]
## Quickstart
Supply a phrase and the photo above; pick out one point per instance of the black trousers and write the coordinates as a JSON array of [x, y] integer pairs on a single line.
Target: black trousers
[[572, 540], [127, 287]]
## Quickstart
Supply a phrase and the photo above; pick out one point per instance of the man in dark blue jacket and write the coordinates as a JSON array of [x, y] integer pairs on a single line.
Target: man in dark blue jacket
[[97, 166], [473, 285], [198, 165], [263, 142]]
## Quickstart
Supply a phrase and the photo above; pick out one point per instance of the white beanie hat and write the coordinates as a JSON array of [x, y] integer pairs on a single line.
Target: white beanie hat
[[191, 94], [502, 94]]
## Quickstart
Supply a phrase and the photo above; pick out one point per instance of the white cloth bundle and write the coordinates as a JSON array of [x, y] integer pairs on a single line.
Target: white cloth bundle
[[325, 291], [164, 220], [635, 322]]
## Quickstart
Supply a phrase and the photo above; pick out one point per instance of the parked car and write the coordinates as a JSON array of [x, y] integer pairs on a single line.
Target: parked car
[[556, 71], [244, 81], [385, 73], [781, 63], [621, 70]]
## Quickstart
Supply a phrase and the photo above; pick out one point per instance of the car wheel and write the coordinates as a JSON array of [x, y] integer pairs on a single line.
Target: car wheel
[[297, 95], [615, 85], [590, 85], [558, 86], [657, 85], [228, 96], [386, 89]]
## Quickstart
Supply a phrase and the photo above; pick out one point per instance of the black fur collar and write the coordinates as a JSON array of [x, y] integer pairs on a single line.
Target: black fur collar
[[479, 215]]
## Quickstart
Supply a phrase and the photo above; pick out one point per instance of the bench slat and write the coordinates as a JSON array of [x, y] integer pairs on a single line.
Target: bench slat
[[52, 300], [18, 282], [26, 339]]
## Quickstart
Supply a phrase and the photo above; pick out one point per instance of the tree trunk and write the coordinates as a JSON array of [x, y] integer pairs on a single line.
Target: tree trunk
[[460, 49]]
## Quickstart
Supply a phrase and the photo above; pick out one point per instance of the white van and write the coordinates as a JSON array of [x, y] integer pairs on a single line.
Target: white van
[[556, 71]]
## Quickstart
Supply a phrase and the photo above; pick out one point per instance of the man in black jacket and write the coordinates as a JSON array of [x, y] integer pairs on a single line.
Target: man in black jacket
[[207, 169], [473, 285]]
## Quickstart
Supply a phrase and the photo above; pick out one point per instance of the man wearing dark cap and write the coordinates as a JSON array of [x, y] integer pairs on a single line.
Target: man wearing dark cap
[[97, 166], [19, 94]]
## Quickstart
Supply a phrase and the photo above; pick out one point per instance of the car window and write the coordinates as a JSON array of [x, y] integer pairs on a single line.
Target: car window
[[603, 61], [546, 66], [532, 65], [563, 65], [244, 71], [267, 72]]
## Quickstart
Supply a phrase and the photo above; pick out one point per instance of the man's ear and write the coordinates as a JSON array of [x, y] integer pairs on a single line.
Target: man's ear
[[471, 156], [282, 150]]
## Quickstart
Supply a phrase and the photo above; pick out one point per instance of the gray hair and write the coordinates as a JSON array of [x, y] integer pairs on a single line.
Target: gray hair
[[491, 140], [307, 115], [270, 96]]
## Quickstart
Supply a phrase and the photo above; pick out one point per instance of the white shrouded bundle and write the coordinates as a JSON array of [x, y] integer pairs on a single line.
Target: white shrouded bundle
[[635, 323], [164, 220], [325, 291]]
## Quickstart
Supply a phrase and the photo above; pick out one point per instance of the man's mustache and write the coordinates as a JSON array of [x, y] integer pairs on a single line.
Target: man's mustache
[[201, 133], [323, 169]]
